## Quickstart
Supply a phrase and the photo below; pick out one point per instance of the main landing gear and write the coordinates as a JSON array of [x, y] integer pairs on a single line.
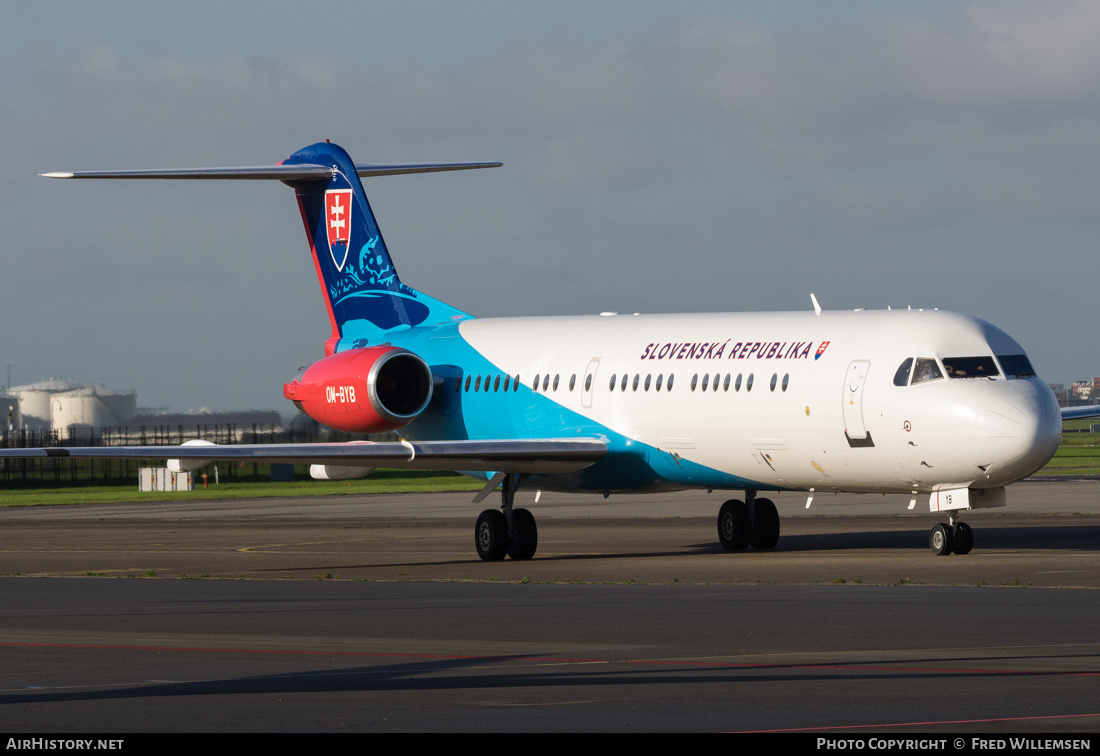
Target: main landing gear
[[754, 523], [952, 536], [506, 531]]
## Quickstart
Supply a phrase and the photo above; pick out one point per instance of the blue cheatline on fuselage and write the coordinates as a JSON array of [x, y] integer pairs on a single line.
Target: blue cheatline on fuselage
[[527, 414]]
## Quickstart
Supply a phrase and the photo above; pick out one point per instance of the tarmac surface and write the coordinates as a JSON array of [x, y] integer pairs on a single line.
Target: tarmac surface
[[374, 613]]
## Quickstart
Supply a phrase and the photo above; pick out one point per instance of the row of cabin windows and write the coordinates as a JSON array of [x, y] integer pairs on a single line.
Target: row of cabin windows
[[546, 383], [477, 384], [725, 383], [708, 382]]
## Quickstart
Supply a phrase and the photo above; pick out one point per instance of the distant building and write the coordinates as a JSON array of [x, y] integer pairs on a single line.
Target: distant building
[[227, 427], [1081, 389]]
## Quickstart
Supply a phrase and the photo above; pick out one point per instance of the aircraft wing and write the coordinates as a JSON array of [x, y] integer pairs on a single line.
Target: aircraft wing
[[1079, 413], [553, 455]]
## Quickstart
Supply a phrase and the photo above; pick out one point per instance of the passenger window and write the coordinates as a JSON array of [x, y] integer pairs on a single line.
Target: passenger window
[[588, 383], [535, 385], [694, 381], [726, 383], [477, 384], [925, 370], [572, 381], [515, 384], [970, 367], [469, 378], [671, 378], [748, 383], [507, 380], [611, 386], [496, 384], [714, 386], [775, 380], [625, 379], [546, 382], [647, 379], [786, 377], [660, 378], [901, 378], [737, 383], [555, 382], [637, 379], [706, 378], [458, 384]]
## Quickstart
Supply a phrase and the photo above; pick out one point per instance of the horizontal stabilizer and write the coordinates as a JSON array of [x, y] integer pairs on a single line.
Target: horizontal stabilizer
[[1080, 413], [273, 172], [552, 455]]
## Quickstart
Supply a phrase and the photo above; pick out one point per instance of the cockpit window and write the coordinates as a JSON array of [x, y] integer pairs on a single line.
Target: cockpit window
[[970, 367], [1016, 365], [926, 370], [901, 378]]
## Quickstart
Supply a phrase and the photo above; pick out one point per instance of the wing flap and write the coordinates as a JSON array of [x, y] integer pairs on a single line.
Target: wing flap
[[548, 456]]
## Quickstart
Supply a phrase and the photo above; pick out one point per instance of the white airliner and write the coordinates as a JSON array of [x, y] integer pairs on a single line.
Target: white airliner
[[920, 402]]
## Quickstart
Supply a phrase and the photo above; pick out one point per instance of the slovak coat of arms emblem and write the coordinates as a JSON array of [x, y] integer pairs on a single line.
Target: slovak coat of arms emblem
[[338, 223]]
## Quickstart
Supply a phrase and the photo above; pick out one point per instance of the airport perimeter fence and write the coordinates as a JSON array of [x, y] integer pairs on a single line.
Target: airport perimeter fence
[[58, 470]]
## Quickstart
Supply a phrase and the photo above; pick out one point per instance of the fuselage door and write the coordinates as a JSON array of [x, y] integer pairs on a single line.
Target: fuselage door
[[854, 382], [589, 382]]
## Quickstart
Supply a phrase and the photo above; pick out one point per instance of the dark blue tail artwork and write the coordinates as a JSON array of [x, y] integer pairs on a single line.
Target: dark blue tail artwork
[[363, 292]]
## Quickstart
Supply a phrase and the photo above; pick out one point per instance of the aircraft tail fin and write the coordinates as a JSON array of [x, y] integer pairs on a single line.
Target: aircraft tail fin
[[364, 296], [363, 292]]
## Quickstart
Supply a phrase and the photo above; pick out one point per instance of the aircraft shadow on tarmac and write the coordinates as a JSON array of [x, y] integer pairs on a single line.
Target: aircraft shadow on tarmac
[[1042, 538], [449, 674]]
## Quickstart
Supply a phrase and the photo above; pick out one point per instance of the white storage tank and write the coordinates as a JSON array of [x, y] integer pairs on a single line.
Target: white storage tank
[[34, 401], [92, 407]]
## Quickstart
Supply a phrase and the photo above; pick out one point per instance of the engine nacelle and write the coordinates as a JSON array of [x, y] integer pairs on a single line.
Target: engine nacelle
[[190, 465], [338, 472], [368, 390]]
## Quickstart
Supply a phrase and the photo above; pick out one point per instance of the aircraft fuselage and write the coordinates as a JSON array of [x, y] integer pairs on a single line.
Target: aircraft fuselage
[[745, 400]]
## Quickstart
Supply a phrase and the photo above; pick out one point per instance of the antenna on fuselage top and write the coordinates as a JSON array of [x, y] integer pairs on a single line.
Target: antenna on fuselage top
[[817, 307]]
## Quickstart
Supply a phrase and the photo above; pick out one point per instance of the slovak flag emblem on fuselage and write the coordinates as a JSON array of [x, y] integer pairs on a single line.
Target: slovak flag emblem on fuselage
[[821, 349], [338, 223]]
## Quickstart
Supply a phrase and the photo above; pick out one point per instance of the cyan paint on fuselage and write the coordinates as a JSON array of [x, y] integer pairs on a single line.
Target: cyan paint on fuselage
[[526, 414]]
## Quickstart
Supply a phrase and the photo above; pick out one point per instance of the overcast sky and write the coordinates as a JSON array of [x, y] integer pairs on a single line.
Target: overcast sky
[[659, 157]]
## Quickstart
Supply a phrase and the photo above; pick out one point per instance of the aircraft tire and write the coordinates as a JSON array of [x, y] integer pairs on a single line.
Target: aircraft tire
[[765, 525], [964, 538], [734, 525], [941, 540], [527, 535], [491, 535]]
